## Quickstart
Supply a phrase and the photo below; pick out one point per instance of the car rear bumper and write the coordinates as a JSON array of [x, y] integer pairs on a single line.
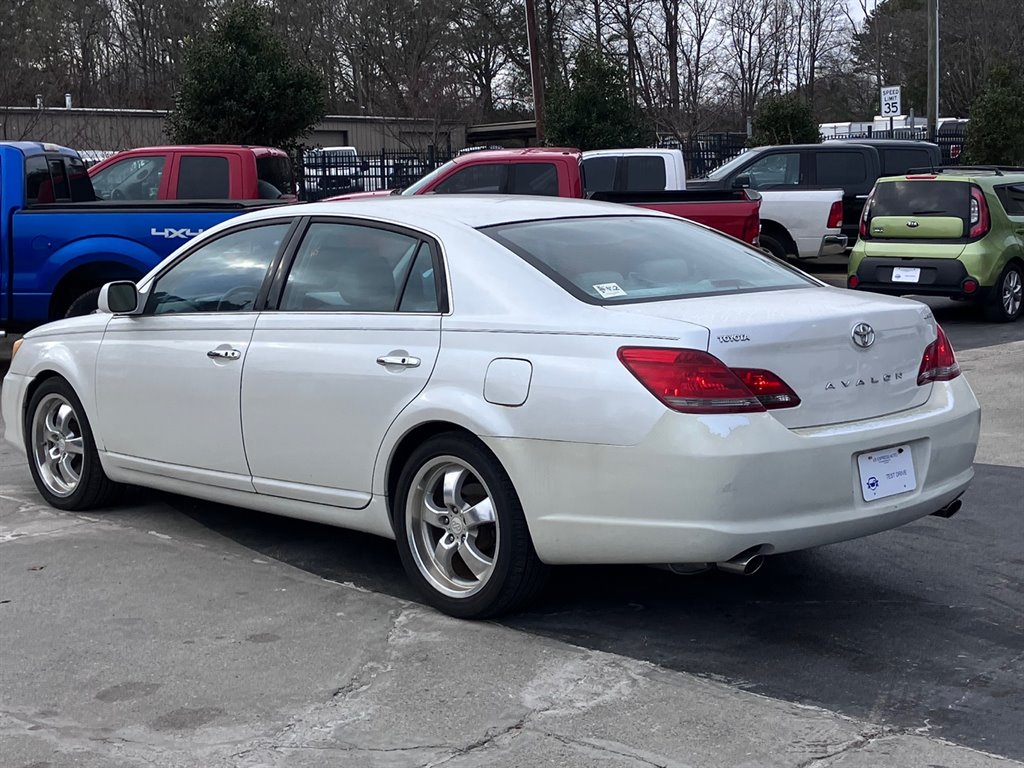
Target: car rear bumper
[[939, 277], [832, 245], [706, 488]]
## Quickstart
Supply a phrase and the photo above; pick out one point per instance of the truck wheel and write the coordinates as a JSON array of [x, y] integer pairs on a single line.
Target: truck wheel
[[85, 304], [1006, 301], [773, 246]]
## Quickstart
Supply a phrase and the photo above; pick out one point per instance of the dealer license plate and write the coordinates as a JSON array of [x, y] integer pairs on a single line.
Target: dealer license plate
[[906, 274], [886, 472]]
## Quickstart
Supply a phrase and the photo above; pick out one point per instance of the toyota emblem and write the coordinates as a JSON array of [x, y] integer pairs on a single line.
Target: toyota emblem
[[863, 335]]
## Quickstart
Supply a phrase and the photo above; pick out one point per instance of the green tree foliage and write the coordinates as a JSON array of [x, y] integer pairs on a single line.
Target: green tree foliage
[[595, 111], [240, 86], [785, 119], [995, 135]]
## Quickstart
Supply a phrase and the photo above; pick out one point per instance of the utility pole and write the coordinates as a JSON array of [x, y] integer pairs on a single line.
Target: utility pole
[[535, 76], [933, 68]]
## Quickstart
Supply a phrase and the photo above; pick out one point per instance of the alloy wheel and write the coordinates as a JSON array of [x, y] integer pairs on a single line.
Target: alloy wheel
[[58, 446], [452, 526], [1012, 292]]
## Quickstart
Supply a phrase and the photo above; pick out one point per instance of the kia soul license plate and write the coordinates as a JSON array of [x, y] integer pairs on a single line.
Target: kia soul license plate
[[886, 472], [906, 274]]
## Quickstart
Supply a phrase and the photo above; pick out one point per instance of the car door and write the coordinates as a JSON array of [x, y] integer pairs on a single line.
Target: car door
[[352, 343], [851, 171], [168, 380], [206, 176]]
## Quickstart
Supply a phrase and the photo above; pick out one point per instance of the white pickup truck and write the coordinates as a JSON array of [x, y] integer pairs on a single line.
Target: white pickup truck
[[800, 223]]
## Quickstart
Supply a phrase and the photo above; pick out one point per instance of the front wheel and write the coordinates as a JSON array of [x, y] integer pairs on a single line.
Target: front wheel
[[1007, 299], [85, 304], [62, 454], [461, 532]]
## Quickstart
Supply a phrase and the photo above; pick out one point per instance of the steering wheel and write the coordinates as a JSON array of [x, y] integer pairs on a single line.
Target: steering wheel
[[117, 194], [238, 290]]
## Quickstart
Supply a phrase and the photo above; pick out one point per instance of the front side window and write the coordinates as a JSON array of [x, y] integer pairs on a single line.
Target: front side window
[[224, 275], [355, 268], [134, 178], [203, 178], [627, 259], [778, 170], [476, 180]]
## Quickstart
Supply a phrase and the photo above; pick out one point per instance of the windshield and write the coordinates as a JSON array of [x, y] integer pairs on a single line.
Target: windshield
[[627, 259], [429, 178], [724, 170]]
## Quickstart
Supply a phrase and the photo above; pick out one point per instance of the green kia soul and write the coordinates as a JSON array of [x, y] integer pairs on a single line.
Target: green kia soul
[[956, 232]]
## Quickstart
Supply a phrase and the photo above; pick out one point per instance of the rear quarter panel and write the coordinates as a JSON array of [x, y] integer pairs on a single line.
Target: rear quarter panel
[[803, 213]]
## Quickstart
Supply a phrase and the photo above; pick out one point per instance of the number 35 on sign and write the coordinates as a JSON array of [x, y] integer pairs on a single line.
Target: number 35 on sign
[[891, 101]]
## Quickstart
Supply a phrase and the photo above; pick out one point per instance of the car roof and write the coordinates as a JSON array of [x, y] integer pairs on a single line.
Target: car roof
[[32, 148], [885, 142], [469, 210], [968, 174]]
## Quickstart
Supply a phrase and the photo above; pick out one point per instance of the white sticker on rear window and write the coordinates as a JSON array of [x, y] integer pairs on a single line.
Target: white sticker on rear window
[[608, 290]]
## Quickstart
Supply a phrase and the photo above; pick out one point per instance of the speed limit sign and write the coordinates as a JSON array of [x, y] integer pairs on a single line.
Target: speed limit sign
[[891, 101]]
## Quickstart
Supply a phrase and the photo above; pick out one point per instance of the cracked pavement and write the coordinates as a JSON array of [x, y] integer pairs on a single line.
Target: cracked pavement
[[141, 636]]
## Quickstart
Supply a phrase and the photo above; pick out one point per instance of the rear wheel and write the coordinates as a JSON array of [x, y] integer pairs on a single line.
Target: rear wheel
[[461, 532], [1007, 299], [62, 454], [773, 245]]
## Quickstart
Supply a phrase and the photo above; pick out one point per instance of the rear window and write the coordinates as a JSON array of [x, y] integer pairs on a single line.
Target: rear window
[[599, 173], [275, 176], [56, 180], [922, 198], [628, 259]]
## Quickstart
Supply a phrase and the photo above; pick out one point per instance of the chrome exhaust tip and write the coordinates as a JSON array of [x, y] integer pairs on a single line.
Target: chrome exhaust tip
[[949, 510], [746, 563]]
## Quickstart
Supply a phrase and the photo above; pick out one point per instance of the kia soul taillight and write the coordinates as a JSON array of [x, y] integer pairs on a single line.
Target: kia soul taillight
[[980, 221], [938, 362], [691, 381]]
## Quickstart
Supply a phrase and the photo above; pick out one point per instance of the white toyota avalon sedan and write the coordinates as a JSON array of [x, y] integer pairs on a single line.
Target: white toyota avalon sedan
[[501, 384]]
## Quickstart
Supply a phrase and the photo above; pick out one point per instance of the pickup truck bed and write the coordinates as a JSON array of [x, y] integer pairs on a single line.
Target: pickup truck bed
[[54, 256]]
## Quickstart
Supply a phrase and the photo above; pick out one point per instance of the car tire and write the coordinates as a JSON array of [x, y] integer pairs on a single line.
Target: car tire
[[61, 450], [1006, 301], [461, 532], [85, 304]]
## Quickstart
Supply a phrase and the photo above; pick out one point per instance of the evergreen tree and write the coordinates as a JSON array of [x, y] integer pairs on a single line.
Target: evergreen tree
[[240, 86]]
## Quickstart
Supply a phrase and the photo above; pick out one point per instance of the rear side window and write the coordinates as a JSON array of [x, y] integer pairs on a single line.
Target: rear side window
[[1012, 199], [275, 177], [645, 173], [896, 162], [203, 178], [922, 198], [628, 259], [599, 173], [535, 179], [840, 169], [56, 180]]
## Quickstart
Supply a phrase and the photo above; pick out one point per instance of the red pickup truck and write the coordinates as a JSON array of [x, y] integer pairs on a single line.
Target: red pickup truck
[[200, 172], [559, 173]]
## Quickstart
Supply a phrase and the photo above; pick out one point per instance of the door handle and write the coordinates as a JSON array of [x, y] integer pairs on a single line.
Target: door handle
[[402, 360], [224, 354]]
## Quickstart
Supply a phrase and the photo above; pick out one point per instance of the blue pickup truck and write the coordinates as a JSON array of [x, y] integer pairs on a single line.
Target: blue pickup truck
[[59, 244]]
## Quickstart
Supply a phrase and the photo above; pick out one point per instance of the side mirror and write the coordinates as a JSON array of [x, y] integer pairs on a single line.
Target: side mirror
[[120, 298], [741, 182]]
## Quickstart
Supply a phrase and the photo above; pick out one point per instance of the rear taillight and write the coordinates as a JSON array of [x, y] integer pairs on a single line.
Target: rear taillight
[[866, 215], [938, 362], [980, 221], [692, 381], [835, 215]]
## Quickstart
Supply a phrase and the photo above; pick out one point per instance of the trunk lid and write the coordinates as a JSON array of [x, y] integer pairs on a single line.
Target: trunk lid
[[806, 336]]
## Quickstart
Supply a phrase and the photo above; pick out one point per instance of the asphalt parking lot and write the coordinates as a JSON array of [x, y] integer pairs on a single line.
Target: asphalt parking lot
[[172, 632]]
